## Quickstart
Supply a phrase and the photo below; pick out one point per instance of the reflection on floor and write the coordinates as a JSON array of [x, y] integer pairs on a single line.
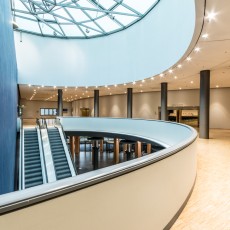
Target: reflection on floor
[[209, 205], [84, 164]]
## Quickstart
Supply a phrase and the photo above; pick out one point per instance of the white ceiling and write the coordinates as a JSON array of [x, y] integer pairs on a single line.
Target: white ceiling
[[214, 55]]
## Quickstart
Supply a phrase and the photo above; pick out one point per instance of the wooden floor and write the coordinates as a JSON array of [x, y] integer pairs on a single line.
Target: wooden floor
[[209, 205]]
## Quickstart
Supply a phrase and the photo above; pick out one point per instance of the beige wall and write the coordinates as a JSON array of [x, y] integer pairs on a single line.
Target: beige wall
[[32, 108], [145, 105]]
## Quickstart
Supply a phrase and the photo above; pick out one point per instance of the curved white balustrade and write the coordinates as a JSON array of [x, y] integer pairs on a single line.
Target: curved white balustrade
[[144, 193]]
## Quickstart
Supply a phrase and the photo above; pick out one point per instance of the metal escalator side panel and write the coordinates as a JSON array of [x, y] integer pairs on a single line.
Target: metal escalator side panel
[[48, 158], [44, 173], [32, 169], [21, 161], [67, 153]]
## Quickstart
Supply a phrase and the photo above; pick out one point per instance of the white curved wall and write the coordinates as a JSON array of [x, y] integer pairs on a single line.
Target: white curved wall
[[145, 49]]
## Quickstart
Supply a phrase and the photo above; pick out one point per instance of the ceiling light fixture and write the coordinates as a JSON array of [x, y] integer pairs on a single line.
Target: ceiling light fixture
[[211, 16], [197, 49], [161, 75], [170, 71], [179, 66], [188, 58], [205, 36]]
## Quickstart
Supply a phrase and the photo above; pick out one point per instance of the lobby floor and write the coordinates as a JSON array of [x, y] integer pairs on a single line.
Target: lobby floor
[[209, 205]]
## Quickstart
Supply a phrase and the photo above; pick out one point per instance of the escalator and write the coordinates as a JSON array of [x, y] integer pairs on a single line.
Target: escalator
[[32, 160], [43, 156], [61, 164]]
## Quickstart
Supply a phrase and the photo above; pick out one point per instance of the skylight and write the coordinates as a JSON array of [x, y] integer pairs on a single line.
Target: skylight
[[78, 18]]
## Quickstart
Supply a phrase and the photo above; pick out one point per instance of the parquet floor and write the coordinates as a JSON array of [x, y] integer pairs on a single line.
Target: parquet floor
[[209, 205]]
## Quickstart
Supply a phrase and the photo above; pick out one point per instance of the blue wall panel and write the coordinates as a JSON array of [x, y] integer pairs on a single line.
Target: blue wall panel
[[8, 99]]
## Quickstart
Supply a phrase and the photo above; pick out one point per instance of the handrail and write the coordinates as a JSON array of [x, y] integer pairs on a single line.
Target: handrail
[[47, 156], [67, 150], [41, 150], [19, 199]]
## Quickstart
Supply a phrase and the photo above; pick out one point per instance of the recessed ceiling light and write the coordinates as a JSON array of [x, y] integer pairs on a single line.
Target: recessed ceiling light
[[124, 83], [54, 87], [175, 77], [42, 86], [141, 91], [143, 80], [115, 85], [211, 16], [140, 85], [152, 78], [179, 66], [105, 86], [191, 82], [134, 83], [170, 71], [65, 87], [29, 85], [217, 86], [96, 86], [161, 75], [205, 36], [188, 58], [180, 88], [197, 49]]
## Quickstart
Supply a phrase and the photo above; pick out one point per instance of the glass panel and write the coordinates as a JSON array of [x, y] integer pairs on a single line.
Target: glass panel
[[29, 25], [66, 13], [108, 24], [140, 6], [42, 112]]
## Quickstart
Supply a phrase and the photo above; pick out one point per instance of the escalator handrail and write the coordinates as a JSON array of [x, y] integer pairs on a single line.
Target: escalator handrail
[[41, 150], [48, 157], [68, 155], [21, 157]]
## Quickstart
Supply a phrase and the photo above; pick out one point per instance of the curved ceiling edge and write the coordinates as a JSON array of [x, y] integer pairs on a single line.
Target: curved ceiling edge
[[142, 51]]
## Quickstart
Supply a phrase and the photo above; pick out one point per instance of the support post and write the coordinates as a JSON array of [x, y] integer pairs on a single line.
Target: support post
[[77, 145], [60, 103], [72, 146], [129, 102], [95, 151], [96, 103], [102, 146], [138, 149], [116, 150], [149, 146], [164, 101], [204, 103]]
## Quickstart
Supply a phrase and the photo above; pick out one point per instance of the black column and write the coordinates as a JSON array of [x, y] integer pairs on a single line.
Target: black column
[[96, 103], [129, 103], [164, 101], [204, 103], [60, 103]]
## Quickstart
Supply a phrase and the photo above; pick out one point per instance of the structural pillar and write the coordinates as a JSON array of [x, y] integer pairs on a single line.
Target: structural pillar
[[164, 101], [95, 151], [77, 144], [129, 102], [116, 150], [138, 149], [149, 148], [204, 103], [96, 103], [72, 146], [102, 146], [60, 103]]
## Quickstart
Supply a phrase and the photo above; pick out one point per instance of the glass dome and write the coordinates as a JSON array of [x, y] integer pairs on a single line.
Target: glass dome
[[78, 18]]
